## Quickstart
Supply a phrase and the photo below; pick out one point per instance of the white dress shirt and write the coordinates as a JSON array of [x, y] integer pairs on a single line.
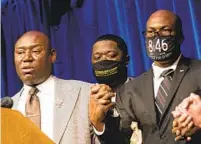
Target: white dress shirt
[[157, 71], [46, 97]]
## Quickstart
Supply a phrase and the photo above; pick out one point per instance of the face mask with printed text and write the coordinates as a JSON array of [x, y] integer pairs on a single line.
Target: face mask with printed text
[[112, 73], [161, 48]]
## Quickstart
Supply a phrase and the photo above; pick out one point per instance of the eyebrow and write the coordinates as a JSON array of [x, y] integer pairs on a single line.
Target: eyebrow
[[108, 51], [31, 46], [166, 26]]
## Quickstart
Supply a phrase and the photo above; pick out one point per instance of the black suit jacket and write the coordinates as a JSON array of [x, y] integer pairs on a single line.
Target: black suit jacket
[[135, 101]]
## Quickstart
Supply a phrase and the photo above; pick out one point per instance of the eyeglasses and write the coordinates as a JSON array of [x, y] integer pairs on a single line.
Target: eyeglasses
[[161, 32]]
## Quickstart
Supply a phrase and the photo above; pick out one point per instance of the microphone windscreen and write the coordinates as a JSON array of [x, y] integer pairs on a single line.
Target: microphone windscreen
[[6, 102]]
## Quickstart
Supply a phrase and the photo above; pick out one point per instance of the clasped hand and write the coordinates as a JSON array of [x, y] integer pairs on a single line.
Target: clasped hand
[[186, 117], [99, 104]]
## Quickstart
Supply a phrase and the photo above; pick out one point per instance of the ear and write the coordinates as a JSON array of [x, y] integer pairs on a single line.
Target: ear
[[53, 55], [180, 37], [127, 59]]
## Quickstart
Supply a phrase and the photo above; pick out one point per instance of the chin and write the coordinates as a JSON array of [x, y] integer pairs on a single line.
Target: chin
[[29, 80]]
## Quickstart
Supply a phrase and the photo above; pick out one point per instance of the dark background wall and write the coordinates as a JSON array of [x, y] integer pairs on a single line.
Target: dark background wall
[[73, 25]]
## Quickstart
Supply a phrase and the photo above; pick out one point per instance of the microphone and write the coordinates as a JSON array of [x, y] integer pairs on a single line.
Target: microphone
[[6, 102]]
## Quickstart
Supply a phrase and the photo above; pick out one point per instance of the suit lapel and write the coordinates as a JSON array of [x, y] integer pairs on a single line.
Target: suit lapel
[[16, 98], [148, 95], [179, 73], [65, 100]]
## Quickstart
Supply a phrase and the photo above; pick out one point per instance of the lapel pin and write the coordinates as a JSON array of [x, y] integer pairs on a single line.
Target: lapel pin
[[59, 102]]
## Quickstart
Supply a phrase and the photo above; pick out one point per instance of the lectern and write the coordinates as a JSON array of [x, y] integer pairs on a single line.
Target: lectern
[[17, 129]]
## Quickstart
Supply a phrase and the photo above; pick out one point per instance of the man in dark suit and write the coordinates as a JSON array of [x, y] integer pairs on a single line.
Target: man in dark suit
[[110, 64], [150, 98]]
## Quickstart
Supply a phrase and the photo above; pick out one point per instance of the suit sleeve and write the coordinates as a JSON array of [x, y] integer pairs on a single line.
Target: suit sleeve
[[117, 129], [113, 133]]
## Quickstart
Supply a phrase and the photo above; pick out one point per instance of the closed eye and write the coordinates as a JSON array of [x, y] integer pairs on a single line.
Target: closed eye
[[96, 57], [112, 55], [36, 51], [20, 51]]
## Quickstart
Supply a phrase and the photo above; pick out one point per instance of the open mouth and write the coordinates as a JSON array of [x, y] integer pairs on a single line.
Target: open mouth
[[27, 70], [27, 73]]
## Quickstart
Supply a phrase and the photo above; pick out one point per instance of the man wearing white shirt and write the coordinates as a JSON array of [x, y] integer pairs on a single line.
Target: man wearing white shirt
[[157, 72], [58, 107], [150, 98], [46, 98]]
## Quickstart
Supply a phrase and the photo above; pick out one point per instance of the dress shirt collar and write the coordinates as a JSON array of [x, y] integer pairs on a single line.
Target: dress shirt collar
[[158, 70], [46, 87]]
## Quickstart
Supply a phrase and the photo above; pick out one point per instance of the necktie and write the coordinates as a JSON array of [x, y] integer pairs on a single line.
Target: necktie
[[32, 107], [163, 91]]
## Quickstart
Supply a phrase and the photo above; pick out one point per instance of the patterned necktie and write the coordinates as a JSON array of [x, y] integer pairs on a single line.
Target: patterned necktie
[[32, 107], [163, 91]]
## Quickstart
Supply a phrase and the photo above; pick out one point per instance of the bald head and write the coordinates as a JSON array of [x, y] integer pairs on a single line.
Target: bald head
[[165, 19], [32, 37], [162, 15]]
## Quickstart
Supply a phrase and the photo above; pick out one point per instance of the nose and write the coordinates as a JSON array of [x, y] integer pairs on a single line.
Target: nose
[[157, 33], [28, 57], [103, 57]]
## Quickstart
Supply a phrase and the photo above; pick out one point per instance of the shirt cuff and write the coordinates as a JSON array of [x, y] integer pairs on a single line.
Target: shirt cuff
[[99, 133]]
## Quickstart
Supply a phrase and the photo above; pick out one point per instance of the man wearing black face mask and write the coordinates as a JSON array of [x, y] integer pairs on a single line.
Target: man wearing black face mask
[[150, 98], [110, 59]]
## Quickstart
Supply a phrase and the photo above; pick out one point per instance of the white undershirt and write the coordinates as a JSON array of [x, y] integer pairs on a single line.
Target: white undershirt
[[46, 97]]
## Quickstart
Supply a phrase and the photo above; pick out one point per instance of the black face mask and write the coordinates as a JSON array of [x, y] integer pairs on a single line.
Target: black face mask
[[112, 73], [162, 48]]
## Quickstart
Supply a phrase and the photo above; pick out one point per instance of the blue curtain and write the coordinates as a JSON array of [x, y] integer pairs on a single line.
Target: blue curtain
[[73, 25]]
